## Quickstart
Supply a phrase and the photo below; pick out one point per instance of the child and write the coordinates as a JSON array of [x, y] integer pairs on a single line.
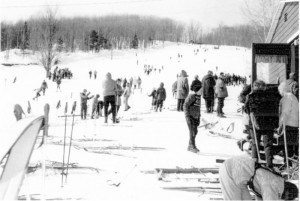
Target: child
[[161, 97], [153, 94], [191, 108]]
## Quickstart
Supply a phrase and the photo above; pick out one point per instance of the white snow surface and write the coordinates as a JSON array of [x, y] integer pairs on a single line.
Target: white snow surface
[[142, 141]]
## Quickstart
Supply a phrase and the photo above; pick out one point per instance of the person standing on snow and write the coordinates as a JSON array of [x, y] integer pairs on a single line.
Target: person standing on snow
[[154, 100], [119, 93], [18, 111], [221, 94], [182, 90], [109, 91], [126, 95], [44, 87], [161, 97], [84, 97], [208, 83], [191, 107], [94, 106]]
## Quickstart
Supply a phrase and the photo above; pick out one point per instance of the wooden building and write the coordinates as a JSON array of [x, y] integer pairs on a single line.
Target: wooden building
[[281, 49]]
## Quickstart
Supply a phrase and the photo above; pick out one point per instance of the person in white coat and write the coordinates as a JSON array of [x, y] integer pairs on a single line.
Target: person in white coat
[[221, 93]]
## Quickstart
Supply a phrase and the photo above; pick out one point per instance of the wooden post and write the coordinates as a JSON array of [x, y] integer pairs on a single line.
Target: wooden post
[[254, 67]]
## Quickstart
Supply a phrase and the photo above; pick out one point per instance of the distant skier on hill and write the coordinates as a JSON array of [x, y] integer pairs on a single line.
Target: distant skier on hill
[[44, 87]]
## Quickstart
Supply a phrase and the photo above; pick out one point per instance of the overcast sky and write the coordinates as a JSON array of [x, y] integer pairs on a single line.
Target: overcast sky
[[210, 13]]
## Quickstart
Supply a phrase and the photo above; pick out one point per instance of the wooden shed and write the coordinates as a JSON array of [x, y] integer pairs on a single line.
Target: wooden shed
[[281, 49]]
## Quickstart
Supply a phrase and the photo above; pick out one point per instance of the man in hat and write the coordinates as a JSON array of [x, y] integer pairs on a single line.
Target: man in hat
[[182, 89], [208, 84]]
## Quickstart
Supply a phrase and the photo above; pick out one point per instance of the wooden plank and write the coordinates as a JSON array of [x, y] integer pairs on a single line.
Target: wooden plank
[[187, 170]]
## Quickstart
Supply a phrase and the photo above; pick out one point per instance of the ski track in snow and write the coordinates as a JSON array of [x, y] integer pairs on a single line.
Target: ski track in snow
[[143, 140]]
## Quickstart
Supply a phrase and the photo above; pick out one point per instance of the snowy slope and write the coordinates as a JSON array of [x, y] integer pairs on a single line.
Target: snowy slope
[[143, 138]]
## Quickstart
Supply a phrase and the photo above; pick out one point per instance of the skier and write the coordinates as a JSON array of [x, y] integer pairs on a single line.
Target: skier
[[109, 90], [154, 100], [221, 94], [90, 72], [119, 93], [126, 95], [161, 97], [84, 97], [208, 84], [94, 106], [191, 107], [44, 87], [182, 89], [95, 74], [58, 82]]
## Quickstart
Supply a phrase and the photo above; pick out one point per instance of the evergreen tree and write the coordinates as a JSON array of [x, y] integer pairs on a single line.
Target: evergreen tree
[[25, 37], [135, 42], [94, 45]]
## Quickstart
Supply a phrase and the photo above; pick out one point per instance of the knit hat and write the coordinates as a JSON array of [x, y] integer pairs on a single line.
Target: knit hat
[[290, 191]]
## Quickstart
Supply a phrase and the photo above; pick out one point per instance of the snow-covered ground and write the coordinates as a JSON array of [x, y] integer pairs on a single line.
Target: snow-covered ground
[[143, 140]]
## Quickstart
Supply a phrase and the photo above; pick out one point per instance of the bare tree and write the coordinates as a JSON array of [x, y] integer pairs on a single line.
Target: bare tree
[[48, 29], [260, 14]]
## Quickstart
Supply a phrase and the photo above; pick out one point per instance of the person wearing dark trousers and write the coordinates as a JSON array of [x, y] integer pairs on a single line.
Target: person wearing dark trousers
[[208, 84], [109, 91], [119, 93], [221, 94], [84, 97], [182, 90], [192, 114], [161, 97], [262, 105]]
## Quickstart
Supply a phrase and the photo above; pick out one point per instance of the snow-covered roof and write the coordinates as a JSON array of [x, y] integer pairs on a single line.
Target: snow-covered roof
[[276, 19]]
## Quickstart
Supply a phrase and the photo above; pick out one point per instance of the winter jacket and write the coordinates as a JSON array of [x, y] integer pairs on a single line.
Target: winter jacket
[[182, 86], [264, 104], [153, 94], [161, 94], [127, 92], [289, 110], [84, 98], [192, 106], [241, 168], [208, 83], [119, 93], [246, 90], [221, 89], [109, 86]]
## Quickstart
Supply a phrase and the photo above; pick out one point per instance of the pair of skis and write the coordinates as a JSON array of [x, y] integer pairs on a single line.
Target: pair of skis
[[70, 144]]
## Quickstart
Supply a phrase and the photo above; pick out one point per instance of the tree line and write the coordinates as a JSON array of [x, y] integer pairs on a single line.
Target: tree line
[[118, 32]]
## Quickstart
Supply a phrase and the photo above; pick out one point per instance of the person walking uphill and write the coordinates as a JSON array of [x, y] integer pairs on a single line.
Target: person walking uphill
[[161, 97], [221, 94], [84, 97], [192, 114], [240, 172], [208, 83], [109, 91], [182, 90]]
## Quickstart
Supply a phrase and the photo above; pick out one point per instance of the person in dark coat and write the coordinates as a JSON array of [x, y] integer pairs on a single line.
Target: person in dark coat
[[154, 100], [44, 87], [263, 107], [191, 107], [196, 83], [182, 89], [174, 88], [84, 97], [161, 97], [208, 83]]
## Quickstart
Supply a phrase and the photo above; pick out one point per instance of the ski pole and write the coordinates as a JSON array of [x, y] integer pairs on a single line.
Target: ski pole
[[286, 151], [63, 165], [70, 141]]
